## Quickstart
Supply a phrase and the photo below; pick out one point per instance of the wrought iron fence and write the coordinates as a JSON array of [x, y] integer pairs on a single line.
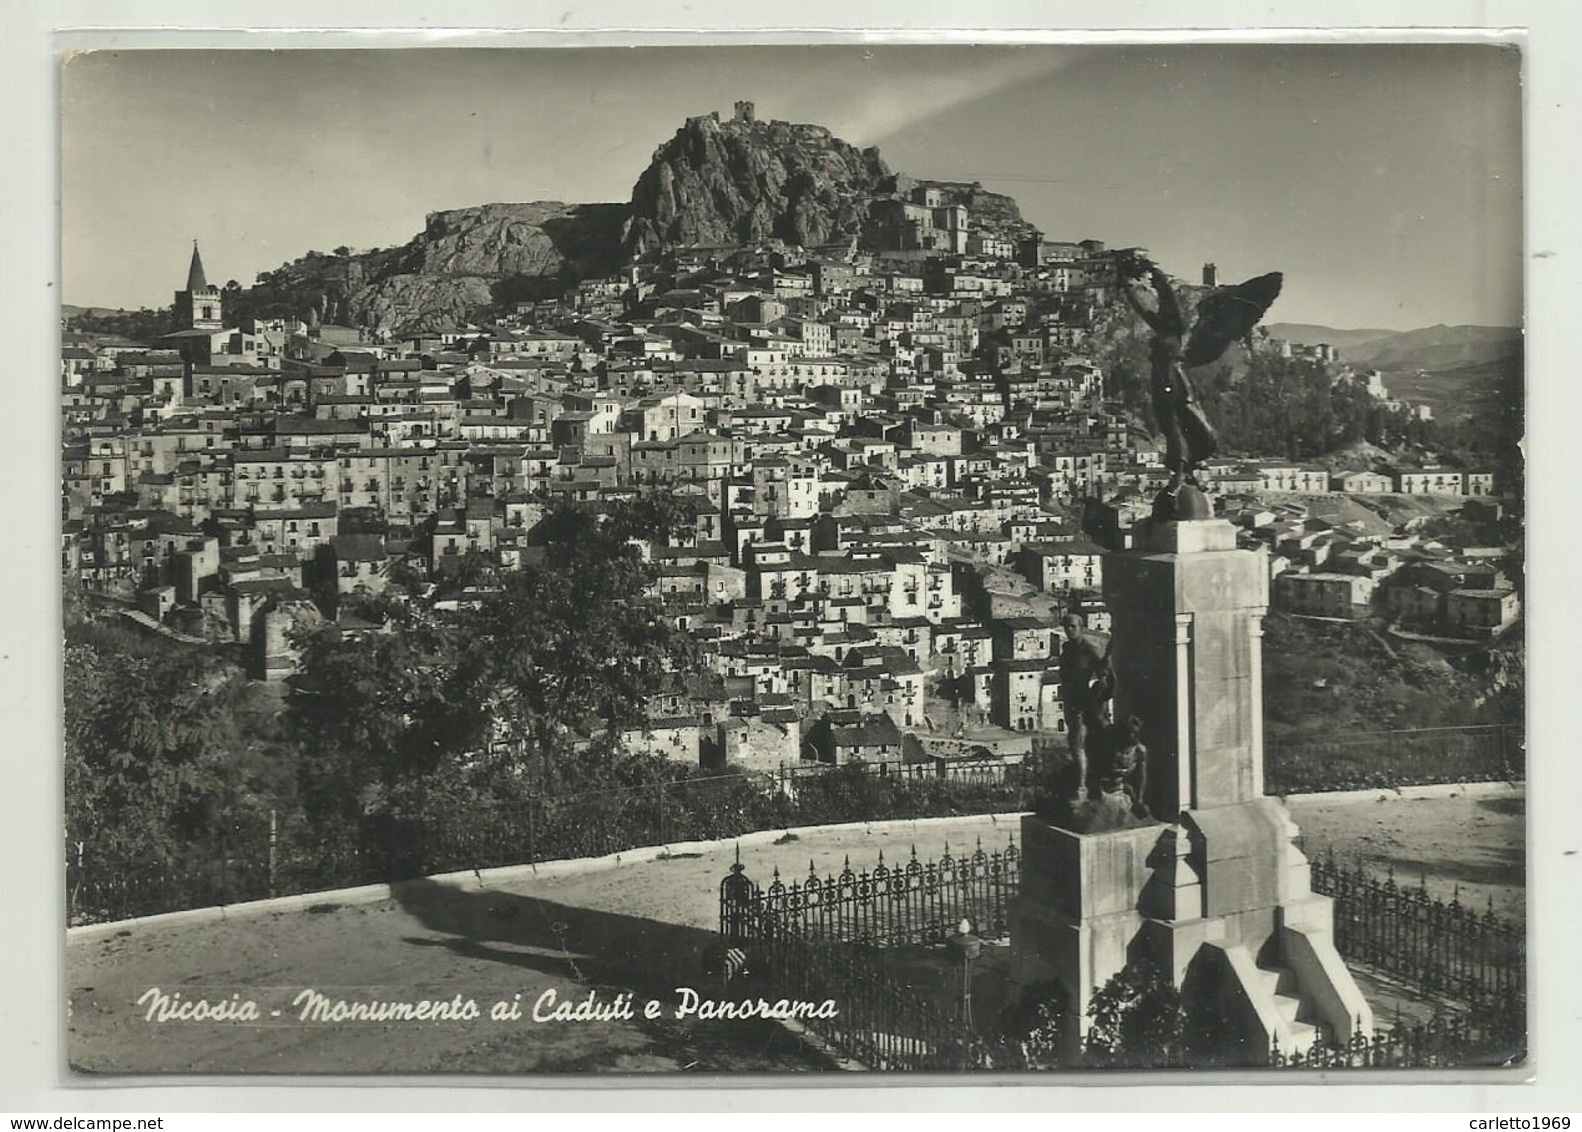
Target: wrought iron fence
[[840, 937], [1457, 1040], [1441, 950], [880, 1021], [987, 773], [918, 902]]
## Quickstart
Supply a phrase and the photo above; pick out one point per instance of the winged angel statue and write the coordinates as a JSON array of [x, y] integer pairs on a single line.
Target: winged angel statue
[[1224, 315]]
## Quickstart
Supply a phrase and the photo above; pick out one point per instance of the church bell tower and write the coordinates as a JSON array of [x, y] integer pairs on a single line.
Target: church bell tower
[[198, 306]]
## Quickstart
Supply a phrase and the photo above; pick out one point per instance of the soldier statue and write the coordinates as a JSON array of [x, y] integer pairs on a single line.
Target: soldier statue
[[1087, 681], [1127, 771]]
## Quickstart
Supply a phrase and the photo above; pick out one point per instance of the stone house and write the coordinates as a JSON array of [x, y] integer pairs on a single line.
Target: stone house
[[1056, 567], [675, 738], [846, 737], [1024, 638], [754, 743], [1481, 611], [1324, 594], [361, 563], [1017, 697]]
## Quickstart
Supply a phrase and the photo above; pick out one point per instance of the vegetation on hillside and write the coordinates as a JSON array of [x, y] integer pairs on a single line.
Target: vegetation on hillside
[[314, 287], [145, 325], [168, 746], [164, 745], [1264, 404], [1339, 677]]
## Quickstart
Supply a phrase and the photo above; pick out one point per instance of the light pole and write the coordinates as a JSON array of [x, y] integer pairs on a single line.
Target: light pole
[[965, 947]]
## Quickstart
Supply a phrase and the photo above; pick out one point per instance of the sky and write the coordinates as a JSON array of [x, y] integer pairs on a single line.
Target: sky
[[1384, 181]]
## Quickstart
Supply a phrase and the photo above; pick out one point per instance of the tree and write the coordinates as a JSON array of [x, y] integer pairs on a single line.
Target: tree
[[375, 717], [569, 645], [151, 753], [558, 650], [231, 302], [576, 641], [143, 325], [476, 569], [657, 516]]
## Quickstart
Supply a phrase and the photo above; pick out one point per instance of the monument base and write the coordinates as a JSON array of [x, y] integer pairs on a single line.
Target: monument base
[[1220, 902]]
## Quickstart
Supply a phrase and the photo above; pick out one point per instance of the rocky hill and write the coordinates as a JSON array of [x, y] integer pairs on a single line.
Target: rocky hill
[[465, 261], [539, 240], [1468, 374], [740, 180], [316, 287], [716, 182], [410, 302]]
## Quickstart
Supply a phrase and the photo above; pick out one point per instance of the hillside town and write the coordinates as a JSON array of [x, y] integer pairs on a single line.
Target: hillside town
[[900, 470]]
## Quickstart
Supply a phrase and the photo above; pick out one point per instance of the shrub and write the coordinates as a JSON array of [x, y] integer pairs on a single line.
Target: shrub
[[1137, 1021]]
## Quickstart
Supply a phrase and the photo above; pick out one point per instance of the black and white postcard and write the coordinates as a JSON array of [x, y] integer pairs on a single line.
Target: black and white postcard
[[777, 560]]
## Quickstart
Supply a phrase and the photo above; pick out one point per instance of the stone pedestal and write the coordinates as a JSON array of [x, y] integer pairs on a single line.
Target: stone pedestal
[[1079, 912], [1219, 897], [1186, 614]]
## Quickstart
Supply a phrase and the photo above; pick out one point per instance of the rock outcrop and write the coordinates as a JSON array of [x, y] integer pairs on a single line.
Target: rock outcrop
[[465, 261], [741, 181], [405, 303], [545, 238]]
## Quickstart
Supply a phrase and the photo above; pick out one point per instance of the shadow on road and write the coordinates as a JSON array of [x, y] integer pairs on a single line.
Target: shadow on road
[[1508, 806], [610, 953]]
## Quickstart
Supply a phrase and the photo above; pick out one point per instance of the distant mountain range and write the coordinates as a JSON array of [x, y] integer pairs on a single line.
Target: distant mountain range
[[1434, 349], [1460, 372], [1311, 334]]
